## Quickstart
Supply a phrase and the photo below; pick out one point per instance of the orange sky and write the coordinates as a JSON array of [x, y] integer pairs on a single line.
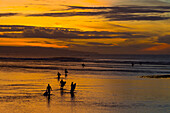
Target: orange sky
[[103, 26]]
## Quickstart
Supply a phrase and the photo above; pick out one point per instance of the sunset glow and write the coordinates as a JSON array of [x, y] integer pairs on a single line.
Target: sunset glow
[[108, 24], [85, 56]]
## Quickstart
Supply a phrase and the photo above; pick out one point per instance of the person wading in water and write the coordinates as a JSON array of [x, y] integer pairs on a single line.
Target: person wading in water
[[49, 89]]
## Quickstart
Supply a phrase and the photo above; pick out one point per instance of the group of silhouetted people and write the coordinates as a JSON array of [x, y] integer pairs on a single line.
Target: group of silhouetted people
[[59, 74], [62, 84]]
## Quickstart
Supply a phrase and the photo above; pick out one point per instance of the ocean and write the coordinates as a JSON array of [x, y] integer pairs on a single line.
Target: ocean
[[107, 84]]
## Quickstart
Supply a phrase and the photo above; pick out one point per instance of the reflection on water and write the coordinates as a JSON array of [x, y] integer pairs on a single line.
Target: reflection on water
[[72, 95], [48, 98], [61, 92], [98, 89], [124, 94]]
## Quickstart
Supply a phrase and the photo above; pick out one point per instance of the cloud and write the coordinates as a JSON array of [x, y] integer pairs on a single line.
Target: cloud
[[98, 44], [38, 52], [118, 13], [164, 39], [6, 28], [70, 14], [3, 36], [94, 41], [135, 17], [158, 47], [114, 49], [65, 33], [8, 14], [129, 9]]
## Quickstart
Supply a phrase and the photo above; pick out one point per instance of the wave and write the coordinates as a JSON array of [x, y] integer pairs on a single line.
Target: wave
[[95, 70], [64, 59], [86, 60], [92, 65], [122, 70], [135, 62]]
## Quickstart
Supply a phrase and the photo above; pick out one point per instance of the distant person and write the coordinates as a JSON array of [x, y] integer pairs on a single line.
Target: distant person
[[66, 72], [140, 63], [59, 74], [62, 83], [73, 86], [83, 65], [132, 64], [49, 89]]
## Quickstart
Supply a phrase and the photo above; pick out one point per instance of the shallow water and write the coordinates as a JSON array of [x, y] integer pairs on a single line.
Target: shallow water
[[102, 87], [22, 92]]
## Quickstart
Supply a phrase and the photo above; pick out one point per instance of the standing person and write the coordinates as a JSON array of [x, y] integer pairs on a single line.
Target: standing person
[[140, 63], [83, 65], [66, 72], [62, 83], [133, 64], [58, 75], [73, 86], [49, 89]]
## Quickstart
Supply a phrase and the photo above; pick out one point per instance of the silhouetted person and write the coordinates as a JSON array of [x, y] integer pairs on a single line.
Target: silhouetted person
[[49, 89], [72, 95], [58, 75], [132, 64], [140, 63], [73, 86], [66, 72], [83, 65], [62, 83]]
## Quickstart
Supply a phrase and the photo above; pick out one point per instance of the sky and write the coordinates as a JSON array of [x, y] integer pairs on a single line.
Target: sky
[[95, 26]]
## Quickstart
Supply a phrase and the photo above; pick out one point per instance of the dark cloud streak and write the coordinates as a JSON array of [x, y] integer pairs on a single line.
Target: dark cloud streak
[[8, 14], [164, 39], [64, 33], [120, 7], [129, 9], [119, 13], [70, 14], [135, 17]]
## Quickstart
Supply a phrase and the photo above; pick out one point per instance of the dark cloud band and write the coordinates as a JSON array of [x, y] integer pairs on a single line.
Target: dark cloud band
[[120, 13], [8, 14]]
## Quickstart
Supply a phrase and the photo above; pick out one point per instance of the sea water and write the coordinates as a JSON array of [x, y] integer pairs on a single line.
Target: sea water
[[107, 84]]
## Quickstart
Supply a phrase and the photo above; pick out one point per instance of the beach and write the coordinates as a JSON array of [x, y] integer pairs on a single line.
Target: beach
[[84, 56], [98, 89]]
